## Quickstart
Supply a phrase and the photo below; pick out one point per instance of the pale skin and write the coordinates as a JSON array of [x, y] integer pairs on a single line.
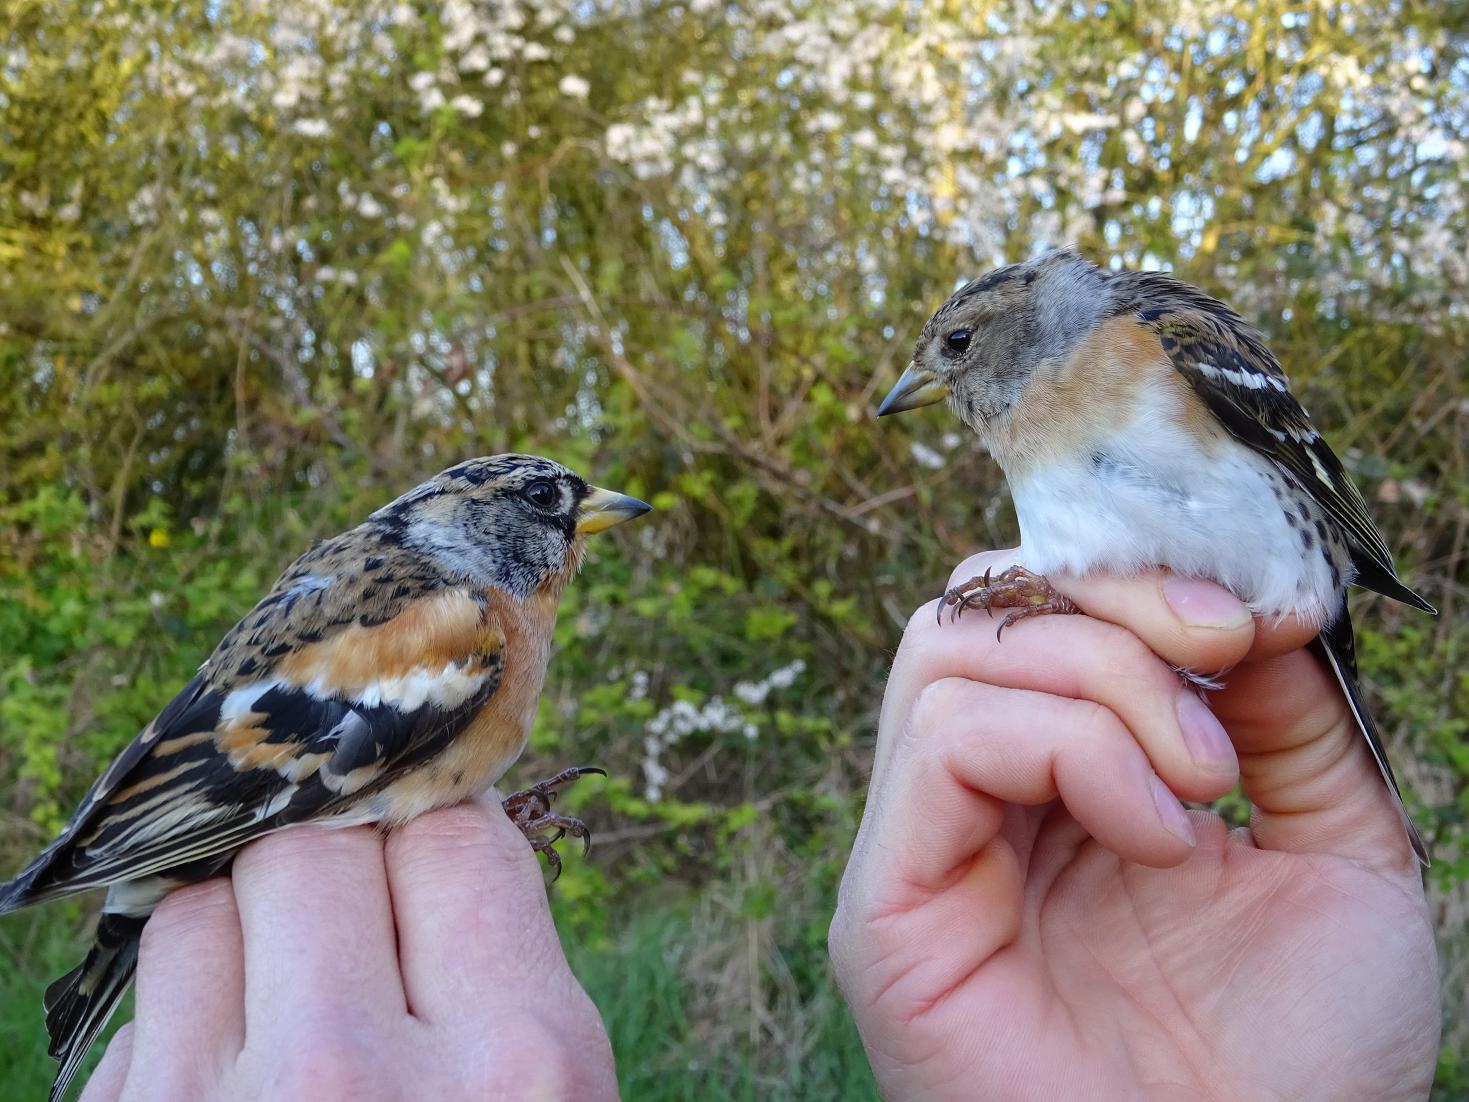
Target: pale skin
[[1024, 918], [1018, 921], [337, 964]]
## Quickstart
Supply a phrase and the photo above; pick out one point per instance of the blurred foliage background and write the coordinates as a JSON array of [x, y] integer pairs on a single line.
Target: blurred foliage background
[[265, 264]]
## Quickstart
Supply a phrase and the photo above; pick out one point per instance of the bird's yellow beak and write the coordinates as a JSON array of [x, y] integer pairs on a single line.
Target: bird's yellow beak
[[917, 387], [601, 509]]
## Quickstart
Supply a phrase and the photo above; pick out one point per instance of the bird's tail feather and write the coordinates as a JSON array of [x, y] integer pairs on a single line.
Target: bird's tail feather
[[1340, 648], [21, 891], [80, 1002], [12, 895]]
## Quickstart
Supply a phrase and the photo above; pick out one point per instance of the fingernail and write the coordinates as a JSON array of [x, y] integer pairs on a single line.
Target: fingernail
[[1171, 813], [1202, 604], [1207, 740]]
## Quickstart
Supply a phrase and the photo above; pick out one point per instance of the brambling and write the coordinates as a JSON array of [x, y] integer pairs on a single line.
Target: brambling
[[1141, 423], [390, 670]]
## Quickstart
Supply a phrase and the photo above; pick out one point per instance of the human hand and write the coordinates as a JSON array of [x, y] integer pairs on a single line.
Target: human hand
[[339, 964], [1024, 917]]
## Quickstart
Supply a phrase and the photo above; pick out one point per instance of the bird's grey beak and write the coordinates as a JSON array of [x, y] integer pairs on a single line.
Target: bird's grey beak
[[601, 509], [917, 387]]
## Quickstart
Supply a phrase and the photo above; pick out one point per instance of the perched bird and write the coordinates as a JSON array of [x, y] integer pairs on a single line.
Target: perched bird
[[390, 670], [1141, 423]]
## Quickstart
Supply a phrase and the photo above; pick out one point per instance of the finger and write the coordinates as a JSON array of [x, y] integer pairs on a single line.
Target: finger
[[927, 862], [106, 1083], [1081, 658], [969, 741], [474, 926], [909, 674], [1189, 623], [1305, 766], [318, 928], [190, 1015], [1277, 635]]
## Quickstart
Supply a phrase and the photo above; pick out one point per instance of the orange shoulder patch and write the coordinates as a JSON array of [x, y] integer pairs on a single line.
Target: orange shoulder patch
[[431, 632], [1095, 392]]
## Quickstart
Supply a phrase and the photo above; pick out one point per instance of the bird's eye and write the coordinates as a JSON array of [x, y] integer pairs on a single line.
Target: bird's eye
[[541, 494], [958, 340]]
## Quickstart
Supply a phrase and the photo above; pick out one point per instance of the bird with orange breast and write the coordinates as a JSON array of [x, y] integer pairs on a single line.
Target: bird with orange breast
[[390, 670], [1142, 423]]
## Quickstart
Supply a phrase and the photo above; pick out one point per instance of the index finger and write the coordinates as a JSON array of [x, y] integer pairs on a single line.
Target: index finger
[[471, 909], [317, 927], [1190, 623]]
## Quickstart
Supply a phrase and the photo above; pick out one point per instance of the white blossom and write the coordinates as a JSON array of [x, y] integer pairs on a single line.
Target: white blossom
[[311, 128], [476, 59], [783, 677]]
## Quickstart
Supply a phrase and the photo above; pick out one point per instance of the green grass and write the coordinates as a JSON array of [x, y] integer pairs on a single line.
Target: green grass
[[660, 980], [35, 948], [685, 1025]]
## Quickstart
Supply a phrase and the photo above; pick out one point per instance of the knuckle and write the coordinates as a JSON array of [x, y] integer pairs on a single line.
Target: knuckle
[[460, 844], [937, 701], [460, 824], [839, 943], [455, 834], [533, 1061], [187, 909], [1130, 665], [307, 851], [921, 626], [1126, 645], [1094, 718]]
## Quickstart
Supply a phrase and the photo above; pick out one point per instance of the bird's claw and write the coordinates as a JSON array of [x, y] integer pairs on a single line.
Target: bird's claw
[[530, 810], [563, 825], [1026, 593]]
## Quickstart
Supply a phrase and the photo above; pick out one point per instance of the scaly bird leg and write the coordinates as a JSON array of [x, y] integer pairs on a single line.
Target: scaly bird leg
[[1028, 594], [530, 810]]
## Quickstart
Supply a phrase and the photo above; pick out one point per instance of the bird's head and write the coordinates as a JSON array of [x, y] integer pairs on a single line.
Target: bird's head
[[518, 522], [985, 345]]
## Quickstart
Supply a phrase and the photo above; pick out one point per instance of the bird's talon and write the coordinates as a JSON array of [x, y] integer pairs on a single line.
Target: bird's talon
[[553, 859], [530, 810], [1027, 593]]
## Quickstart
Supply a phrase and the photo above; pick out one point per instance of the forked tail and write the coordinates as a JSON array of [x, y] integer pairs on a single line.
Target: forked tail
[[80, 1002]]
